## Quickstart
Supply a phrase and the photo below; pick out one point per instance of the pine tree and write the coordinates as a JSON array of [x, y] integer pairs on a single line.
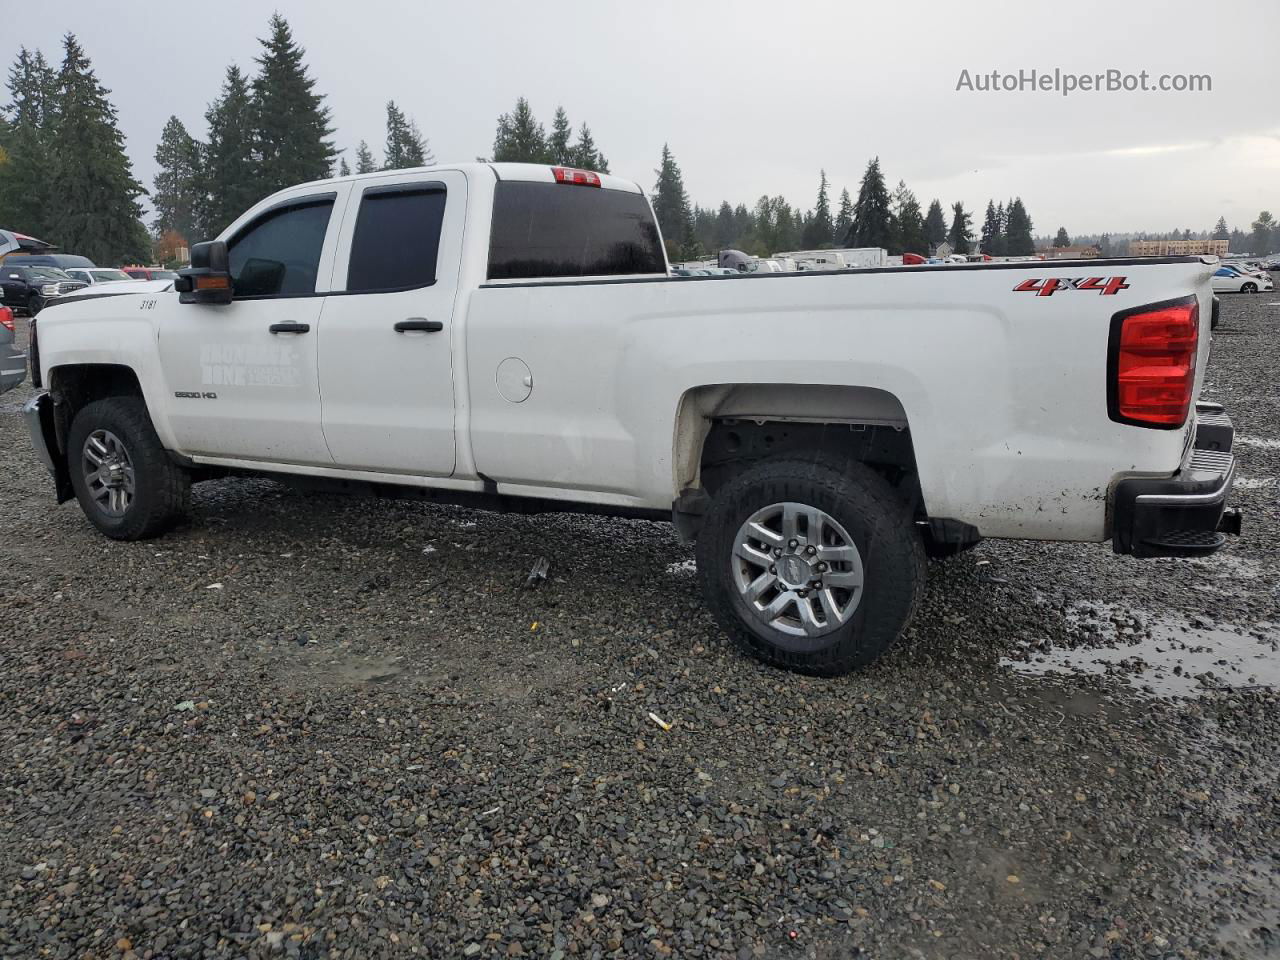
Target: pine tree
[[1062, 239], [960, 236], [671, 205], [690, 246], [343, 169], [935, 226], [1104, 245], [990, 239], [1264, 236], [558, 143], [818, 229], [520, 138], [704, 228], [291, 129], [584, 153], [418, 150], [1220, 231], [908, 221], [231, 174], [25, 187], [871, 212], [406, 146], [844, 217], [98, 214], [395, 156], [177, 198], [744, 223], [726, 229], [364, 159], [1018, 231], [1001, 247]]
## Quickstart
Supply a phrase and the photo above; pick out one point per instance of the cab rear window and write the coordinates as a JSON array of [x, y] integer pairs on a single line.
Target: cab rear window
[[544, 230]]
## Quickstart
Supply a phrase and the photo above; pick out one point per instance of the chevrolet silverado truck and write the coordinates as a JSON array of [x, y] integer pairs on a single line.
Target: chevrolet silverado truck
[[510, 336]]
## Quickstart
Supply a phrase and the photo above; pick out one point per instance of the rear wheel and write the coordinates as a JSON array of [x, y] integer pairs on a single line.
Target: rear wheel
[[813, 565], [126, 484], [1249, 288]]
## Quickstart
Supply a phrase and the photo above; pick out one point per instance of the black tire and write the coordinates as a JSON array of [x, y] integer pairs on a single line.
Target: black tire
[[881, 527], [1249, 288], [161, 488]]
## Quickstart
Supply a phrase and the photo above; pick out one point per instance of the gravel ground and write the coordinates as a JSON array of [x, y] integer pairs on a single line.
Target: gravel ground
[[318, 727]]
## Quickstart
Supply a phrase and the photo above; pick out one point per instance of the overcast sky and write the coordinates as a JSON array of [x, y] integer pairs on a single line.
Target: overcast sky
[[755, 97]]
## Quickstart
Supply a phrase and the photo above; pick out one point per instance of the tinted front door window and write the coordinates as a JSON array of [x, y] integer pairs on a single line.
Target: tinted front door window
[[279, 253]]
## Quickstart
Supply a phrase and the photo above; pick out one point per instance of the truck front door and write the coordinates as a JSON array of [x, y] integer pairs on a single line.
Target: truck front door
[[386, 369], [243, 375]]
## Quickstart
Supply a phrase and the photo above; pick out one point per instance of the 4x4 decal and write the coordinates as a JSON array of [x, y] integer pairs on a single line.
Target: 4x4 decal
[[1107, 286]]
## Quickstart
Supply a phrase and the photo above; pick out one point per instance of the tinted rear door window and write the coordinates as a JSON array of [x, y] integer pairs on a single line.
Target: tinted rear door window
[[559, 230], [396, 239]]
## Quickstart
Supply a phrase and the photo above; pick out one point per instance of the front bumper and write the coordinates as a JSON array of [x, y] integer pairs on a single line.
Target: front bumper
[[42, 423], [1184, 515]]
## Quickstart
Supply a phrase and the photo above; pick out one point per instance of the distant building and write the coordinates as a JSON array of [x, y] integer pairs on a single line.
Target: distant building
[[1079, 252], [1179, 248]]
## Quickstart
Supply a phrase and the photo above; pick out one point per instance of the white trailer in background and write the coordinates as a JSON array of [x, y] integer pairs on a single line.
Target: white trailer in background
[[864, 256], [816, 259]]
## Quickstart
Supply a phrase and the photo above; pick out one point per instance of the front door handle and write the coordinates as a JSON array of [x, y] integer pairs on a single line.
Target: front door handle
[[418, 323], [290, 328]]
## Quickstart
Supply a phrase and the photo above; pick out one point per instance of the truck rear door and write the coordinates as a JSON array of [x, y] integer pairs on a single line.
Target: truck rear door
[[386, 373]]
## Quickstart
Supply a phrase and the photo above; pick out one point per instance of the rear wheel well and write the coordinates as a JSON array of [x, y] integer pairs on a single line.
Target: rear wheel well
[[732, 445]]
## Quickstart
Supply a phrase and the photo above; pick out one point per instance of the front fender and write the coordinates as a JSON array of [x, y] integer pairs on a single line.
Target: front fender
[[108, 331]]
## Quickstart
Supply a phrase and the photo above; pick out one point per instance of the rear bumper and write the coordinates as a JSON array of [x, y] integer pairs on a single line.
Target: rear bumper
[[1184, 515]]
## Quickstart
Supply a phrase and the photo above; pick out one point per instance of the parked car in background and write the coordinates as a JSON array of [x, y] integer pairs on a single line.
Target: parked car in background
[[59, 260], [13, 362], [1246, 266], [1231, 280], [98, 274], [115, 288], [149, 273], [31, 288]]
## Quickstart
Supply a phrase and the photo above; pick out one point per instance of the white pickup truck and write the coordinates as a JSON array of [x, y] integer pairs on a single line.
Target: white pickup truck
[[509, 336]]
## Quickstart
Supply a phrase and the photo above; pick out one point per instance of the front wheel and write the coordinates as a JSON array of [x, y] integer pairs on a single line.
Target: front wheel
[[1249, 288], [126, 484], [811, 564]]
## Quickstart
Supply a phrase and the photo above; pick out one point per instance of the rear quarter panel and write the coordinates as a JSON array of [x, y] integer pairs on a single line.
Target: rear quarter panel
[[1005, 391]]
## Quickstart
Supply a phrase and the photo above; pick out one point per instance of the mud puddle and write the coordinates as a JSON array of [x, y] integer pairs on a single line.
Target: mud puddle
[[1159, 655]]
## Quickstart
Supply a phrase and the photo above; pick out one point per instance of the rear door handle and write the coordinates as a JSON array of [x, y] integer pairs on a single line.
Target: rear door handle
[[290, 328], [418, 323]]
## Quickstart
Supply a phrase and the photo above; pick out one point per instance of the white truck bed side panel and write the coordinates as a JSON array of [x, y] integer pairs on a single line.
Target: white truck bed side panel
[[1005, 392]]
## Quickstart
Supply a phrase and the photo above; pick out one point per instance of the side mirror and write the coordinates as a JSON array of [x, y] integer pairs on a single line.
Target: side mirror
[[208, 279]]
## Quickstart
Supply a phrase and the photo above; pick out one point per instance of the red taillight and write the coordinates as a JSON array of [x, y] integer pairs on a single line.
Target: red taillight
[[6, 318], [1152, 364], [583, 178]]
